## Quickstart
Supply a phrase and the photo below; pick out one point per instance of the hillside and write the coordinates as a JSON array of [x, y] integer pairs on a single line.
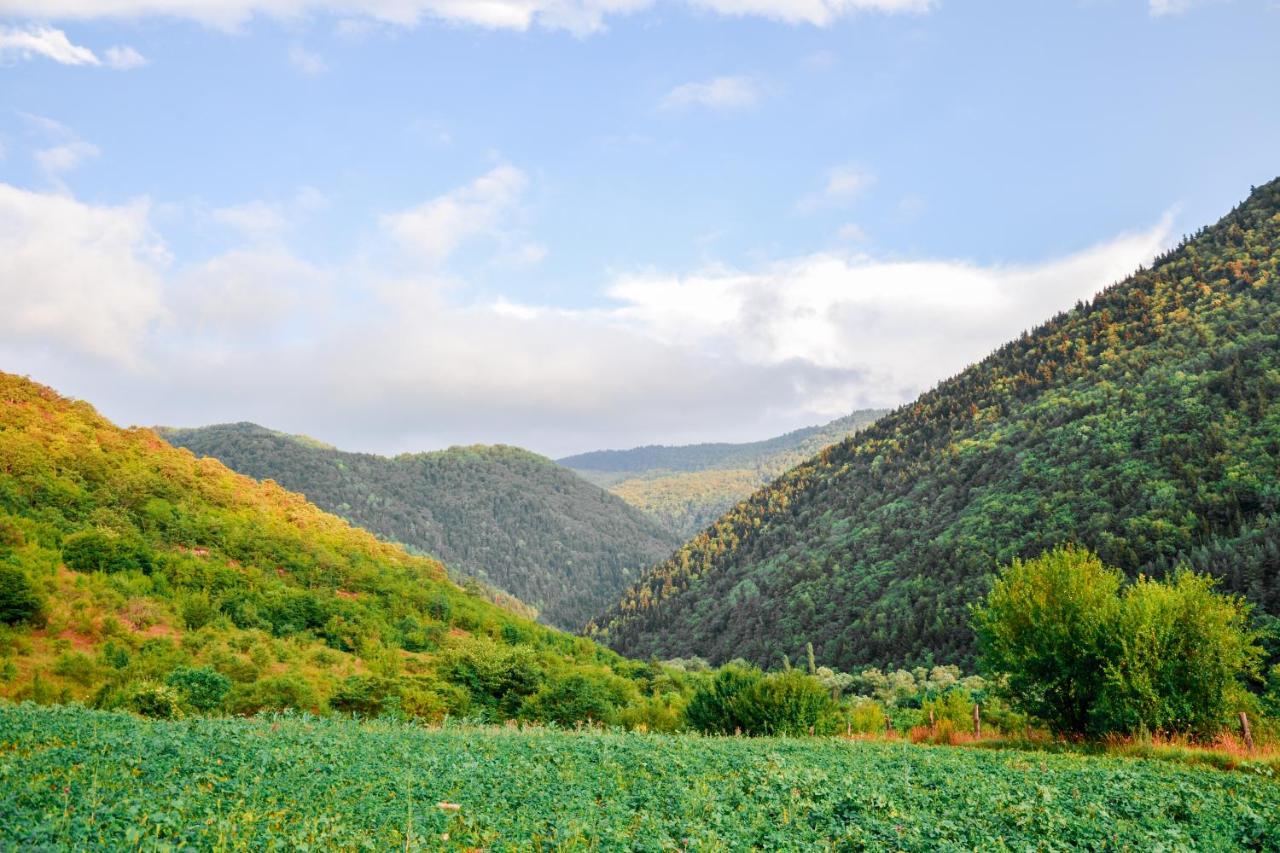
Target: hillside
[[500, 514], [1144, 425], [130, 569], [687, 487]]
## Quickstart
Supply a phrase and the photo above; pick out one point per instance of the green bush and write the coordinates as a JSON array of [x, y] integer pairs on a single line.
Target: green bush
[[741, 699], [104, 551], [365, 695], [716, 708], [498, 677], [20, 601], [1180, 650], [196, 609], [202, 688], [1090, 658], [156, 700], [1047, 623], [275, 693], [576, 698]]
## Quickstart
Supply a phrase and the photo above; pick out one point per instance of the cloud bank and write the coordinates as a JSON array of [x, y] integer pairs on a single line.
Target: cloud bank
[[401, 356], [576, 15]]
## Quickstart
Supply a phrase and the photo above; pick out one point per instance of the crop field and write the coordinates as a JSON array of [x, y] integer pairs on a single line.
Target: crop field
[[74, 778]]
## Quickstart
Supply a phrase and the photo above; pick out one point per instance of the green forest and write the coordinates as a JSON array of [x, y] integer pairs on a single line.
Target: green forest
[[507, 517], [688, 487], [1143, 424]]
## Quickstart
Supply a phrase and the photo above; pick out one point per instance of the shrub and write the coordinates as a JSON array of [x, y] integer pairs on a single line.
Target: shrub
[[275, 693], [104, 551], [202, 688], [746, 700], [716, 707], [366, 695], [576, 698], [1089, 658], [76, 666], [497, 677], [196, 609], [1180, 650], [20, 602], [1046, 623], [156, 700], [866, 716]]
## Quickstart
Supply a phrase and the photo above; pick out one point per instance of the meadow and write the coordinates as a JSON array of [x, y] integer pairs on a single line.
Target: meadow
[[77, 778]]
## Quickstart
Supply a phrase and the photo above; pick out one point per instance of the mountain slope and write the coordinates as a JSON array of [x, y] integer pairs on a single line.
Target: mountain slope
[[500, 514], [687, 487], [143, 561], [1145, 425]]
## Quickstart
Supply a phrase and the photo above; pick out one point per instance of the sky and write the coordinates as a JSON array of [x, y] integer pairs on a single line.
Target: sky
[[399, 225]]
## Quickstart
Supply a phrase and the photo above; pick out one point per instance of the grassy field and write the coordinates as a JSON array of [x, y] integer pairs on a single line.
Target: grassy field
[[73, 778]]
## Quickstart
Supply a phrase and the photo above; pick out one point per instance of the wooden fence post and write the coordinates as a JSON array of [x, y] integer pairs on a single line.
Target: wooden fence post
[[933, 727], [1244, 727], [977, 721]]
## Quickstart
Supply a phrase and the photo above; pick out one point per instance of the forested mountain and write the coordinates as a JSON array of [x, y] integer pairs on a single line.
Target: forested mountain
[[1144, 424], [500, 514], [130, 569], [687, 487]]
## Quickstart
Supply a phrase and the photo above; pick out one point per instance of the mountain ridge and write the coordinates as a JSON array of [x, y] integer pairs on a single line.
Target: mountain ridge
[[501, 514], [688, 486], [1142, 423]]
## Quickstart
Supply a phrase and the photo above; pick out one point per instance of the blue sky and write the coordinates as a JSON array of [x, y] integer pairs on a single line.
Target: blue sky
[[571, 224]]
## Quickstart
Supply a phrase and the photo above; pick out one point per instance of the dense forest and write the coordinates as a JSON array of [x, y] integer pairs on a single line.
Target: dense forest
[[1144, 424], [687, 487], [502, 515], [134, 574]]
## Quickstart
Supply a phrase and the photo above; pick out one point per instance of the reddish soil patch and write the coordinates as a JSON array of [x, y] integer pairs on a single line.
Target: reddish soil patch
[[347, 594], [79, 642]]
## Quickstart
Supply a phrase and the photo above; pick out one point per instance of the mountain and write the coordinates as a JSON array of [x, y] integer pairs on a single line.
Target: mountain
[[1144, 424], [500, 514], [687, 487], [130, 569]]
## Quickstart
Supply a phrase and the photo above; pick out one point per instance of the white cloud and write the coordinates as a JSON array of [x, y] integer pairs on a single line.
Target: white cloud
[[816, 12], [74, 276], [843, 184], [720, 93], [124, 58], [43, 41], [66, 157], [31, 42], [378, 361], [580, 16], [263, 221], [306, 62], [434, 229]]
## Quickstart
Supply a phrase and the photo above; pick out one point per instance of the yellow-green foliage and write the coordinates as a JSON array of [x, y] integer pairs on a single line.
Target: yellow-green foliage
[[140, 576]]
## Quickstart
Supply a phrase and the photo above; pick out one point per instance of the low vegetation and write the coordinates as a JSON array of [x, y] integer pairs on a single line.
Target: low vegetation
[[76, 779]]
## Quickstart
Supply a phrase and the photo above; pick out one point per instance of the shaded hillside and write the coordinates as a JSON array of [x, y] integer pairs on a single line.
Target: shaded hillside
[[128, 566], [687, 487], [1144, 425], [503, 515]]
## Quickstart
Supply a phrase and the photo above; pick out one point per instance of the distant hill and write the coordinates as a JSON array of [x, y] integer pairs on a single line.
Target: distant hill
[[1144, 424], [687, 487], [503, 515], [131, 570]]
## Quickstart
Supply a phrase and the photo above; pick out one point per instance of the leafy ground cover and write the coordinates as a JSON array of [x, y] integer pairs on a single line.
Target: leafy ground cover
[[76, 778]]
